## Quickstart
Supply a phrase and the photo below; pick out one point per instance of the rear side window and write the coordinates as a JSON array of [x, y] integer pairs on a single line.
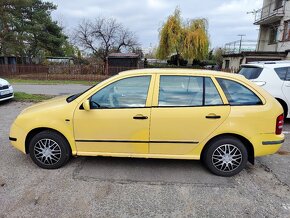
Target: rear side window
[[211, 96], [238, 94], [281, 72], [288, 75], [251, 72], [181, 91]]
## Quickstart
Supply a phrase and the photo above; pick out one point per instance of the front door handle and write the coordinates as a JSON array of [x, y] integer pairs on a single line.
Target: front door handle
[[212, 116], [140, 117]]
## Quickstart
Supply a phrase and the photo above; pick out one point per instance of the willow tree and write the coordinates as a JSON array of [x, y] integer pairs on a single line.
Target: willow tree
[[171, 35], [196, 40], [187, 39]]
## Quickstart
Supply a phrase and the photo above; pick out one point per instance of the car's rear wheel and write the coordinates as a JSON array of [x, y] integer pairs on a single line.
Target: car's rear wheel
[[49, 150], [226, 156]]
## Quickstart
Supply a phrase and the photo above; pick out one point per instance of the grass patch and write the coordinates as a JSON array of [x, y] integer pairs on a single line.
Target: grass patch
[[22, 96], [51, 82]]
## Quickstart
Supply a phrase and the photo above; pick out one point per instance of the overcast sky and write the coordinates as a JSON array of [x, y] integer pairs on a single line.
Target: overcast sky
[[227, 18]]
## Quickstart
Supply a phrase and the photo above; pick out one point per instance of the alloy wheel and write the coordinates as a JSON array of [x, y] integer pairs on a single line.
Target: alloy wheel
[[47, 151], [227, 158]]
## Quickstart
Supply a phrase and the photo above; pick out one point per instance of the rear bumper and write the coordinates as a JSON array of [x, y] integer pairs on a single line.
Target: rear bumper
[[273, 142], [268, 144]]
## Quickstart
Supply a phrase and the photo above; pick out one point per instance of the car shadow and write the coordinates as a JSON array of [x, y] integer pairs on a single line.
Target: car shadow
[[6, 102], [149, 171]]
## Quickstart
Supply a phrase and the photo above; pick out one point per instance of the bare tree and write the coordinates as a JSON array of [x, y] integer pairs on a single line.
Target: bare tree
[[103, 36]]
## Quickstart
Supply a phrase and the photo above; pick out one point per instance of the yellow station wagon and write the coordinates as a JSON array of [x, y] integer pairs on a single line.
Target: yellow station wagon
[[221, 118]]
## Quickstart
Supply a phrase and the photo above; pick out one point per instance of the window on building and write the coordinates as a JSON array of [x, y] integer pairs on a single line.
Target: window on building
[[273, 36], [227, 65], [286, 35], [279, 3]]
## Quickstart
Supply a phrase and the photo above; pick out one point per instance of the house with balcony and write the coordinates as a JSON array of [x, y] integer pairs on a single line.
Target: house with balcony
[[274, 37]]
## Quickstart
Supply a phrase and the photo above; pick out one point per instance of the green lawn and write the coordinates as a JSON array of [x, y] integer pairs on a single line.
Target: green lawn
[[50, 82], [22, 96]]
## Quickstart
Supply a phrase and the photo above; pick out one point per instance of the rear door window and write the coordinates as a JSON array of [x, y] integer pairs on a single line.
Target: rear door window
[[251, 72], [180, 91], [184, 91], [238, 94]]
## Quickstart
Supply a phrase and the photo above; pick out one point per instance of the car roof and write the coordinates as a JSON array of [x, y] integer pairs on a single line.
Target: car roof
[[180, 71], [268, 64]]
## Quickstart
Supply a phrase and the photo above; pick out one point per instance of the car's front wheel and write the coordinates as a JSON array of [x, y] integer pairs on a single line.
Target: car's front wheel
[[49, 150], [226, 156]]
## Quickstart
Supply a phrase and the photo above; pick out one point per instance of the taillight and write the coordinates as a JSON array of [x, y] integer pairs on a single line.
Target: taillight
[[279, 124]]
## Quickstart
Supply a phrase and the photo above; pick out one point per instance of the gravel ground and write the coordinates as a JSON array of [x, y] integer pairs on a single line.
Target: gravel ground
[[116, 187]]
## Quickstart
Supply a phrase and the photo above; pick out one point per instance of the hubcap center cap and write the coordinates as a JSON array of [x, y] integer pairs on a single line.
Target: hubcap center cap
[[227, 158], [47, 152]]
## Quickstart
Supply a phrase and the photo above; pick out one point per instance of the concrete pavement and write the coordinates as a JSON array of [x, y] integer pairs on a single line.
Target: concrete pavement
[[123, 187], [65, 89]]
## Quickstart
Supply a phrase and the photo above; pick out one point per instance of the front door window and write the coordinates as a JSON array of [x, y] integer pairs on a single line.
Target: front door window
[[126, 93]]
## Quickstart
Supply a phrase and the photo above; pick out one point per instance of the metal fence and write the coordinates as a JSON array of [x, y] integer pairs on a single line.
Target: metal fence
[[239, 46], [272, 9], [60, 72], [65, 72]]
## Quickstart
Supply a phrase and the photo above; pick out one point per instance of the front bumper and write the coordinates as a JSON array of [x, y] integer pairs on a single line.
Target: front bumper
[[6, 94], [17, 137]]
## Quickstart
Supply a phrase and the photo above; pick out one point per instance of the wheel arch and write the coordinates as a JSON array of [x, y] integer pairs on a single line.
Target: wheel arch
[[284, 105], [35, 131], [246, 142]]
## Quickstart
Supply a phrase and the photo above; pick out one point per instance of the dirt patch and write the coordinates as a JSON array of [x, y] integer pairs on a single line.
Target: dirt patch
[[282, 152]]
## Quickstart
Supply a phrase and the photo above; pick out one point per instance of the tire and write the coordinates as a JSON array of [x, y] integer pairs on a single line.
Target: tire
[[285, 111], [49, 150], [220, 154], [285, 108]]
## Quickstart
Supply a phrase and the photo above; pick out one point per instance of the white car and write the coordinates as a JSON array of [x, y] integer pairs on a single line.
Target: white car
[[274, 77], [6, 90]]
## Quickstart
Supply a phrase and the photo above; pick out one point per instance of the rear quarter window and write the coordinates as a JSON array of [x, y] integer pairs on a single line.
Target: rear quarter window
[[238, 94], [282, 72], [251, 72]]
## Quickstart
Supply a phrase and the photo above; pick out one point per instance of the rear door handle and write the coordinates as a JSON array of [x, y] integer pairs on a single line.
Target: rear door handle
[[140, 117], [213, 116]]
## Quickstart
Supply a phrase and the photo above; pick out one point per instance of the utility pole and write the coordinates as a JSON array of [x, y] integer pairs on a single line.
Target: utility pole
[[240, 48]]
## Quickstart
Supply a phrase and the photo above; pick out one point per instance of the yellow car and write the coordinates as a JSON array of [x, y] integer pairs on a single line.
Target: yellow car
[[221, 118]]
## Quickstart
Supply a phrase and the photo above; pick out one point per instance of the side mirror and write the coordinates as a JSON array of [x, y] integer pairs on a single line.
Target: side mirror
[[86, 105]]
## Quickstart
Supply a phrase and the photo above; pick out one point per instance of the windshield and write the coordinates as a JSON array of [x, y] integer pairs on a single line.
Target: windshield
[[251, 72], [73, 97]]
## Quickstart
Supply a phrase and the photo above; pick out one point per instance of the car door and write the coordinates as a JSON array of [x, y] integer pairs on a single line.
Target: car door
[[187, 110], [118, 119], [286, 85]]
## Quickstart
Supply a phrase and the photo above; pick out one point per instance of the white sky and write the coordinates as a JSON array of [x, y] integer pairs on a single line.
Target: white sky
[[227, 18]]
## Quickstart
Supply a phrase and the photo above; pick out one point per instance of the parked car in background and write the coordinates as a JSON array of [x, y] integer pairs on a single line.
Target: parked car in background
[[6, 90], [156, 113], [274, 77]]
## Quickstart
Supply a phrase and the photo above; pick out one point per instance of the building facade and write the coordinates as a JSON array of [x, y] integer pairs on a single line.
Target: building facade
[[274, 37]]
